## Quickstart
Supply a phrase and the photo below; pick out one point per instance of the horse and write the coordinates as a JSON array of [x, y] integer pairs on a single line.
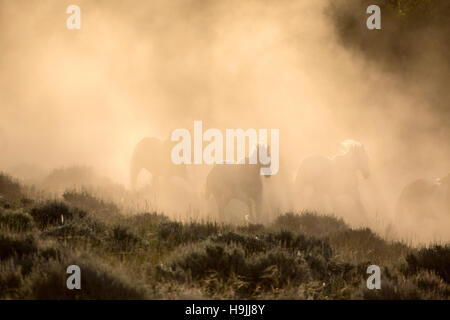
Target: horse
[[226, 182], [330, 179], [278, 192], [154, 155], [424, 199]]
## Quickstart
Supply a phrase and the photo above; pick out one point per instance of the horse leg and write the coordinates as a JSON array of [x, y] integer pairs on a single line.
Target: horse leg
[[155, 182], [221, 204], [249, 218], [258, 209], [360, 209], [252, 213], [134, 173]]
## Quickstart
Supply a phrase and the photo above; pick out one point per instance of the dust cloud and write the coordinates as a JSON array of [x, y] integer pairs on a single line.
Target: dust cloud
[[144, 68]]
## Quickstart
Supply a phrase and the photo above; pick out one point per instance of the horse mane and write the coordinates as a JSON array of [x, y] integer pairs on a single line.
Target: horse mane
[[349, 145], [443, 181]]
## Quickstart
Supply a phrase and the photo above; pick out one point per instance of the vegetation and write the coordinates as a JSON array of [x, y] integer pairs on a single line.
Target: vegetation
[[411, 26], [149, 256], [412, 44]]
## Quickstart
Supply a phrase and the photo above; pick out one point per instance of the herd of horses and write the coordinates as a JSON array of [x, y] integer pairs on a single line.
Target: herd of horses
[[319, 180]]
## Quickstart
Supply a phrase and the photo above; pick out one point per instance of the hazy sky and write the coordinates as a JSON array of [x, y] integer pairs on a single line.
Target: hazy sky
[[144, 68]]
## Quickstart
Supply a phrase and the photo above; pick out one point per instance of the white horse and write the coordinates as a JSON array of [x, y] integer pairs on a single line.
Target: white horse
[[243, 182], [324, 181]]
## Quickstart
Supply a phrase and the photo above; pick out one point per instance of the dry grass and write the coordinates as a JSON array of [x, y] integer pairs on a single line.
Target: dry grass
[[149, 256]]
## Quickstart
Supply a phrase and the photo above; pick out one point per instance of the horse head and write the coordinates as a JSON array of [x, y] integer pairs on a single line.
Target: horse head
[[443, 184], [262, 155], [357, 153]]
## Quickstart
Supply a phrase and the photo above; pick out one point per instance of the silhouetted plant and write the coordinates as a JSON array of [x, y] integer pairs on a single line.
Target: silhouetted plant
[[436, 259], [51, 213], [11, 246], [87, 202], [310, 223], [16, 221]]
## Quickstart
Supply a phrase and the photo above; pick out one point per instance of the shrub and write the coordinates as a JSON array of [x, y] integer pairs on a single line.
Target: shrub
[[85, 231], [248, 276], [87, 202], [10, 191], [48, 281], [251, 265], [405, 290], [123, 238], [295, 243], [250, 244], [310, 223], [176, 233], [422, 285], [10, 279], [53, 213], [435, 259], [15, 221], [13, 246], [252, 229], [146, 224], [364, 245], [302, 244]]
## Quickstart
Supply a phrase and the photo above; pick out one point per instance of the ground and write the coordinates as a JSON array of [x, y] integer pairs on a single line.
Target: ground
[[145, 255]]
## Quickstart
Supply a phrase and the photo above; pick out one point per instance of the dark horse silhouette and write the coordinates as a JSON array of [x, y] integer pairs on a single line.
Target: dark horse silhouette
[[154, 155], [425, 199], [331, 177]]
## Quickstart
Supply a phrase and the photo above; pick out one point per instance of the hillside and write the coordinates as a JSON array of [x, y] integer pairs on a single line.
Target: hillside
[[149, 256]]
